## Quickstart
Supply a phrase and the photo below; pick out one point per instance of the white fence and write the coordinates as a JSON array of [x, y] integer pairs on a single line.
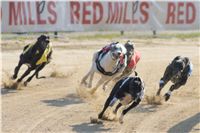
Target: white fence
[[46, 16]]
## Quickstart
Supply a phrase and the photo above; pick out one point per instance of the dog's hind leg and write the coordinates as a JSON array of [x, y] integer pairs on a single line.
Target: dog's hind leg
[[172, 88], [90, 81], [116, 109], [37, 76], [91, 71], [25, 74], [17, 70], [35, 73], [29, 79], [83, 81]]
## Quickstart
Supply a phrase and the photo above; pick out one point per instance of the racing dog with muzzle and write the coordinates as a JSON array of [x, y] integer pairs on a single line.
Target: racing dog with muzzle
[[109, 63], [128, 91], [133, 57], [177, 72]]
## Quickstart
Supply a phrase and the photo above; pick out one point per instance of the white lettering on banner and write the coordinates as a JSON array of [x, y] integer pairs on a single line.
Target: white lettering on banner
[[44, 16]]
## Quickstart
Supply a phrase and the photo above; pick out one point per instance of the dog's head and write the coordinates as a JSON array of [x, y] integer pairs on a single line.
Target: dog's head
[[43, 39], [130, 48], [116, 51], [136, 86], [178, 66]]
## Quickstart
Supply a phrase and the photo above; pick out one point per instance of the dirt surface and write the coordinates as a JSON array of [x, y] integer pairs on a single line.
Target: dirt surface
[[52, 105]]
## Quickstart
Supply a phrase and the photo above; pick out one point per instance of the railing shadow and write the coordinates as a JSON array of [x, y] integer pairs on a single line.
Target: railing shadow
[[186, 125]]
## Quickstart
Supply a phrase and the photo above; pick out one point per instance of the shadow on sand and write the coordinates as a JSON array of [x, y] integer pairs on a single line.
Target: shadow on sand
[[69, 99], [5, 91], [146, 108], [89, 128], [186, 125]]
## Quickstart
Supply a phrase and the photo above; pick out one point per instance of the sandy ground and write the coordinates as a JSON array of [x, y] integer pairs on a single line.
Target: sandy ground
[[52, 105]]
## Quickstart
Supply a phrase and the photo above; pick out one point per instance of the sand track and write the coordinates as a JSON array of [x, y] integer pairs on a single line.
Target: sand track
[[52, 105]]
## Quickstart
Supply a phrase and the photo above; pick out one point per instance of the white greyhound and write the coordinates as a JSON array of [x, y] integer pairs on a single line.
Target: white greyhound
[[109, 64]]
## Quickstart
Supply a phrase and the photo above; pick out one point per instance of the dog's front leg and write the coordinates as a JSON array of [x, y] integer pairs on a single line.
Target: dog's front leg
[[17, 69], [107, 103]]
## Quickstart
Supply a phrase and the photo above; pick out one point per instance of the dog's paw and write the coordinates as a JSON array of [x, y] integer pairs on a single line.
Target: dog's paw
[[121, 119], [25, 83], [14, 77]]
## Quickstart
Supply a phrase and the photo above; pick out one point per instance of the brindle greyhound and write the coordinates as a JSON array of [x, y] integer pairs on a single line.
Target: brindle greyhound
[[32, 56], [177, 72]]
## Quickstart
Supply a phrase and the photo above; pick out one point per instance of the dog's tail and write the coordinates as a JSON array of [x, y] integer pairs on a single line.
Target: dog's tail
[[136, 74]]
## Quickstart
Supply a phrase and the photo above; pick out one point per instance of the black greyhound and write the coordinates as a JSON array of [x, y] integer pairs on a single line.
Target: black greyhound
[[129, 91], [36, 57], [178, 72]]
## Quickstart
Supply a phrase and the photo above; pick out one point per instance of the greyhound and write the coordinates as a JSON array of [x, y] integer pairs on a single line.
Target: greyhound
[[35, 57]]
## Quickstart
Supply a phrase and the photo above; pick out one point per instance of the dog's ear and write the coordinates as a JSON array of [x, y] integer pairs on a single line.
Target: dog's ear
[[135, 82], [41, 37], [138, 80]]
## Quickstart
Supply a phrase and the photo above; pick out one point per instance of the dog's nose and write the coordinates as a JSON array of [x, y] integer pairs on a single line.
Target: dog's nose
[[118, 53]]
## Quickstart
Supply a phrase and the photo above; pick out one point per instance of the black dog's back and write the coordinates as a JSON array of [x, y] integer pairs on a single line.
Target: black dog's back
[[132, 86], [26, 55], [33, 52]]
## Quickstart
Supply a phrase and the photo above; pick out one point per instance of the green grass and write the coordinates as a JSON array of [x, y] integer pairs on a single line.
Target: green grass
[[191, 35], [136, 35], [22, 38], [111, 35], [180, 35]]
